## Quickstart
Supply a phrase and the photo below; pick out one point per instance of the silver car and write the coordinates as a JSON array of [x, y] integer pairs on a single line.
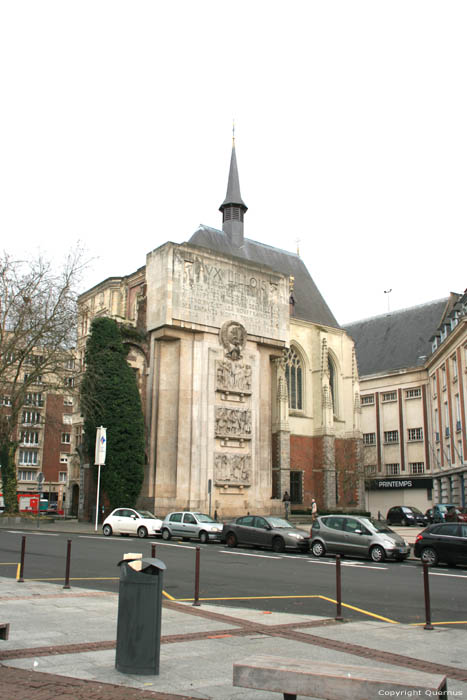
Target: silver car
[[191, 525], [357, 536]]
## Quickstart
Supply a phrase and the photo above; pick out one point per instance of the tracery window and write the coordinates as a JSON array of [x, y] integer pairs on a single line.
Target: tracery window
[[294, 377]]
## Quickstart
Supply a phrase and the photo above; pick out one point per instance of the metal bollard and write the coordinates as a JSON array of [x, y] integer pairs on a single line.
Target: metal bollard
[[153, 550], [196, 600], [21, 568], [67, 568], [338, 589], [426, 585]]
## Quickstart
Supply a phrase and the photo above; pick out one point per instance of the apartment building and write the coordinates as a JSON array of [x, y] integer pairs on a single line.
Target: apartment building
[[412, 378]]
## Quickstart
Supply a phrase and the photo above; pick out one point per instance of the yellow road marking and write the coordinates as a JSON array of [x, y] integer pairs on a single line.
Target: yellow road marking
[[456, 622], [167, 595], [252, 597], [365, 612]]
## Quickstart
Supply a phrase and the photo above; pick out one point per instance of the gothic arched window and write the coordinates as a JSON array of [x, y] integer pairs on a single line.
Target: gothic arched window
[[294, 376], [332, 382]]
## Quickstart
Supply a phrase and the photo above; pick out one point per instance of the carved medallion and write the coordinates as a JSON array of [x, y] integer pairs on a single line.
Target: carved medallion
[[233, 337]]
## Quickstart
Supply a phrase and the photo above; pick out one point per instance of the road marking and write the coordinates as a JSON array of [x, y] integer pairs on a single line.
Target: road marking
[[365, 612], [432, 573], [180, 546], [244, 554], [455, 622], [355, 565], [29, 532], [8, 563]]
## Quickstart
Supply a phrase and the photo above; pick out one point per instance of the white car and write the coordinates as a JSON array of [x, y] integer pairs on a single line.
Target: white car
[[129, 521]]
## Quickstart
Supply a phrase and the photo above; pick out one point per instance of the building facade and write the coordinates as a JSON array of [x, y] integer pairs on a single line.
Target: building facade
[[413, 411], [249, 386]]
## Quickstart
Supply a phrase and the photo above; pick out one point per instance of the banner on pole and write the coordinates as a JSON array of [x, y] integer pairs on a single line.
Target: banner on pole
[[101, 444]]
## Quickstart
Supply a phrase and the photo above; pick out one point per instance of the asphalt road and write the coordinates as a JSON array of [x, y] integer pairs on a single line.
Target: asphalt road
[[247, 577]]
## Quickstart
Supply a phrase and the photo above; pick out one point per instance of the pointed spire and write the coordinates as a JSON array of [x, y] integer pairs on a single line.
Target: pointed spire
[[233, 207]]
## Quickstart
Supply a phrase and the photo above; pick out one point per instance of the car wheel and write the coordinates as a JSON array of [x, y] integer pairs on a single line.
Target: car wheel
[[231, 540], [107, 530], [318, 549], [278, 544], [166, 534], [429, 556], [142, 532], [377, 553], [404, 522], [203, 537]]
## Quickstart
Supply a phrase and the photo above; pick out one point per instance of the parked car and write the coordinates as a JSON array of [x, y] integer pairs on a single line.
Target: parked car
[[455, 515], [446, 542], [406, 515], [191, 525], [129, 521], [429, 514], [265, 531], [357, 536], [440, 510]]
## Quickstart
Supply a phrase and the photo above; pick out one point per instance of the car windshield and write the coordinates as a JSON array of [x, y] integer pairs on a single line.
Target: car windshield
[[376, 525], [411, 509], [279, 522], [203, 518], [146, 514]]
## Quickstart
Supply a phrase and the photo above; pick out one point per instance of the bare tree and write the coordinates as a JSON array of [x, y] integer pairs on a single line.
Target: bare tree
[[38, 317]]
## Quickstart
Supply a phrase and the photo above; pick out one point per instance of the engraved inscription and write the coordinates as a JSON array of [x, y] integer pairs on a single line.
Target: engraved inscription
[[207, 290], [232, 469], [233, 423]]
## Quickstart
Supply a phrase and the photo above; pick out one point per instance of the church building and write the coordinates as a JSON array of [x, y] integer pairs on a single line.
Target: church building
[[249, 386]]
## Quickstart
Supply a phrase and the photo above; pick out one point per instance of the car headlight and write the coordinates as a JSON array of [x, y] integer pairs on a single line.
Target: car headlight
[[296, 536], [216, 529]]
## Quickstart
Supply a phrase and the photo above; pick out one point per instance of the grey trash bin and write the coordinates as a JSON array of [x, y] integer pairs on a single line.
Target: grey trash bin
[[139, 617]]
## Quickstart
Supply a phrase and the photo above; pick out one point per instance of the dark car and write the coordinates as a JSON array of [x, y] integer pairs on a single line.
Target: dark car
[[446, 542], [406, 515], [429, 515], [455, 515], [265, 531]]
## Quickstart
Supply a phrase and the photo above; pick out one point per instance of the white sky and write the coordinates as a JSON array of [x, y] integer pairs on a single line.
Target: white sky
[[351, 135]]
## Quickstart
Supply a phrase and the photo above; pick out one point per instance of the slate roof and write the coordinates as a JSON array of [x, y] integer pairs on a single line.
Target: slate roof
[[396, 340], [309, 304]]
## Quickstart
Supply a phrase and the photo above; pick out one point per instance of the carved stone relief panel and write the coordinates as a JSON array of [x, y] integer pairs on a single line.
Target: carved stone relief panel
[[233, 423], [232, 469], [233, 377]]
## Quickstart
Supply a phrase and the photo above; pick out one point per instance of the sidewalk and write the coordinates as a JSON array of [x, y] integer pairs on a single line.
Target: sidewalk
[[62, 645]]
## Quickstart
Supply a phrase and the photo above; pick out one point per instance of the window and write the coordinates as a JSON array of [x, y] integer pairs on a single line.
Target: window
[[29, 457], [392, 469], [6, 401], [24, 475], [415, 434], [370, 470], [443, 376], [69, 381], [417, 467], [30, 437], [66, 438], [369, 438], [31, 418], [389, 396], [294, 377], [332, 383], [34, 400], [454, 369], [433, 387], [62, 477], [391, 436], [63, 459], [176, 518], [368, 400], [413, 393], [68, 401]]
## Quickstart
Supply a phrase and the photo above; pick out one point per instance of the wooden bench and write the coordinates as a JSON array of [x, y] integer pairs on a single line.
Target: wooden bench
[[4, 630], [332, 681]]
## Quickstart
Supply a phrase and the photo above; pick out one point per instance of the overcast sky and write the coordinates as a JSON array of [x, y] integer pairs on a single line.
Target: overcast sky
[[351, 135]]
